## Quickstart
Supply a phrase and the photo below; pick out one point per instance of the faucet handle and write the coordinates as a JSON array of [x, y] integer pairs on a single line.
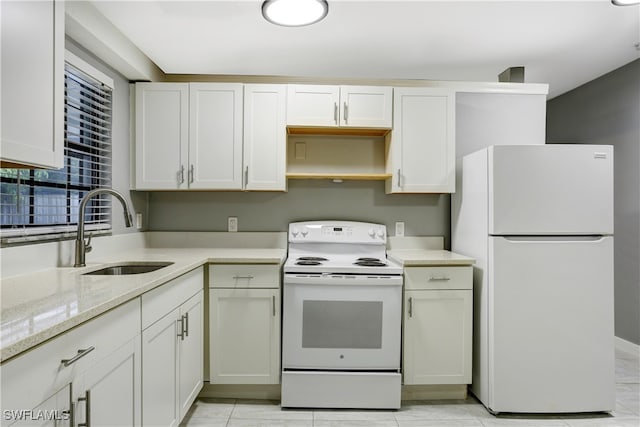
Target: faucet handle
[[87, 245]]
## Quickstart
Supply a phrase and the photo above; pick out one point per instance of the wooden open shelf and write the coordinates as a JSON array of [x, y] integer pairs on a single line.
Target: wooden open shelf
[[336, 131], [343, 176]]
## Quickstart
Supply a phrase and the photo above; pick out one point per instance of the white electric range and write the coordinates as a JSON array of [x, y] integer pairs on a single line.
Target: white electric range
[[342, 305]]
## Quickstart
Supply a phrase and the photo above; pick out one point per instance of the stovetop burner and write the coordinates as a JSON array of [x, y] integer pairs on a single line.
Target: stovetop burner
[[368, 259], [311, 258], [305, 262], [375, 263]]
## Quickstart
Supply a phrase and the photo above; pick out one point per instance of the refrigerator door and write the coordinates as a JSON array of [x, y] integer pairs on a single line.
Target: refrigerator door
[[551, 336], [550, 189]]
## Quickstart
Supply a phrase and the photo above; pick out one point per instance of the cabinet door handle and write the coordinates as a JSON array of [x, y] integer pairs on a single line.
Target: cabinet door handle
[[246, 176], [335, 112], [190, 174], [181, 175], [186, 324], [87, 403], [181, 333], [410, 307], [399, 184], [81, 354], [273, 305], [243, 277], [439, 279], [346, 112]]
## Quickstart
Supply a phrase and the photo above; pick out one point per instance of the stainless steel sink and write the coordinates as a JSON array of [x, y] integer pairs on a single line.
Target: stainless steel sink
[[130, 268]]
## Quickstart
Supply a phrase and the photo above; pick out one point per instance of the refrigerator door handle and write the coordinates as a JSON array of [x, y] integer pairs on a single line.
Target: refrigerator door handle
[[566, 238]]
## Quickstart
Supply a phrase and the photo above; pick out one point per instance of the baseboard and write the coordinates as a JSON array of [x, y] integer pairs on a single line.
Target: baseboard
[[627, 347], [272, 391], [241, 391], [434, 392]]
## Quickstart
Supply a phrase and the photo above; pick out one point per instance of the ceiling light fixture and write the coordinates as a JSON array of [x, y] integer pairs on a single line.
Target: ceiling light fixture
[[625, 2], [294, 13]]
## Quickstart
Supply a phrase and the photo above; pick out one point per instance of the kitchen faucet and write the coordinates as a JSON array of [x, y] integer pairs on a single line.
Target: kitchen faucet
[[83, 247]]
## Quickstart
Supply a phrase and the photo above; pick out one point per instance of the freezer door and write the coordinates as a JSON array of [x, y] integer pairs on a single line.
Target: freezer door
[[550, 189], [551, 330]]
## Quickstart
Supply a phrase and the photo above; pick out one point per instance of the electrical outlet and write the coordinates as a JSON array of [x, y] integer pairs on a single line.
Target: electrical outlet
[[399, 229], [138, 220], [232, 224]]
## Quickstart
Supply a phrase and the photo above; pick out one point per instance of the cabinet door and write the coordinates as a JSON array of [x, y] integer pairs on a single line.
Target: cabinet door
[[437, 337], [312, 105], [245, 336], [159, 374], [215, 136], [366, 106], [265, 137], [422, 141], [191, 352], [32, 83], [108, 393], [54, 412], [162, 132]]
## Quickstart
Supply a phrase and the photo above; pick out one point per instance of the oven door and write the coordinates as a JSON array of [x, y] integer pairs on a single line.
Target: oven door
[[341, 322]]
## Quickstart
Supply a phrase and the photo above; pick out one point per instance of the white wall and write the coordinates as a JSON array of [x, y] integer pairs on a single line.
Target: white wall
[[607, 111]]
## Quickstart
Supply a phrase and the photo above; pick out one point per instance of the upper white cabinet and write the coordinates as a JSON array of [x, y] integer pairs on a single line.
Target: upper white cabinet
[[215, 136], [162, 135], [210, 136], [32, 46], [265, 138], [422, 148], [188, 136], [344, 106]]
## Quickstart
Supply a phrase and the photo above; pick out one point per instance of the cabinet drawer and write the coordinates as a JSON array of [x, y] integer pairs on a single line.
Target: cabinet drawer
[[440, 277], [244, 276], [164, 299]]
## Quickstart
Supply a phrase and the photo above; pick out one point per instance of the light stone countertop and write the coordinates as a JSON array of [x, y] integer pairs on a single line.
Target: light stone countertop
[[38, 306], [427, 257]]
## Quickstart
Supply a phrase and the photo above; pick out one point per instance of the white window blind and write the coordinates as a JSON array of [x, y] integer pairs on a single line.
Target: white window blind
[[39, 201]]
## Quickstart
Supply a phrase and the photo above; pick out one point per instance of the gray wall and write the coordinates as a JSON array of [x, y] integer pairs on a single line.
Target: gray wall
[[120, 139], [423, 214], [607, 111]]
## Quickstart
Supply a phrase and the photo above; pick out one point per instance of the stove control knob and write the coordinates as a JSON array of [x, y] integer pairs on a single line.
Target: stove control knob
[[381, 233], [372, 233], [305, 231], [294, 231]]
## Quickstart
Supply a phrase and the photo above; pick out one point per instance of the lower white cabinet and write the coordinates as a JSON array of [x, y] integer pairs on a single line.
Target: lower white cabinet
[[172, 349], [437, 337], [92, 371], [244, 324], [108, 393]]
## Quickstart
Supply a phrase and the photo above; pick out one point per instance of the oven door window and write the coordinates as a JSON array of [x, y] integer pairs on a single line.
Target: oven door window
[[342, 324]]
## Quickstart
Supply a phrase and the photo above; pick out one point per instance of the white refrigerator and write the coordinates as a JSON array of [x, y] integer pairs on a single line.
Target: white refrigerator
[[539, 221]]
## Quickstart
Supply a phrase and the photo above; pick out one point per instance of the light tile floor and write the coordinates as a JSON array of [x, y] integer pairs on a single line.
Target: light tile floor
[[447, 413]]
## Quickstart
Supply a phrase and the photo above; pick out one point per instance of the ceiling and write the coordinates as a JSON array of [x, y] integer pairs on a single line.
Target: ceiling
[[562, 43]]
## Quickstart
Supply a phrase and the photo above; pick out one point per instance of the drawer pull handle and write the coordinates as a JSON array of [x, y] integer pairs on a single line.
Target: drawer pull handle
[[81, 354], [243, 277], [439, 279]]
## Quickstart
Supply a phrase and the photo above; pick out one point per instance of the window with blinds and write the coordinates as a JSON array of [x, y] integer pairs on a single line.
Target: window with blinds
[[39, 201]]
